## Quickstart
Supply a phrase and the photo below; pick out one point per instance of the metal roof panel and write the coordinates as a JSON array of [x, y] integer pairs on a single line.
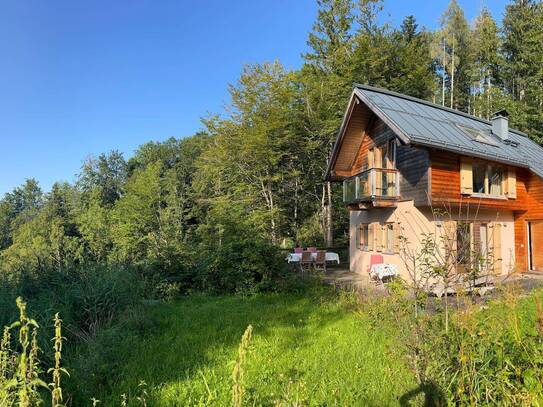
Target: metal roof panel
[[437, 126]]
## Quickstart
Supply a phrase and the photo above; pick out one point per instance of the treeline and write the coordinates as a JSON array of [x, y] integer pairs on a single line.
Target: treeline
[[195, 210]]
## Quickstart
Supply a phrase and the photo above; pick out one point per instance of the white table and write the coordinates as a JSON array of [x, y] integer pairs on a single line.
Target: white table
[[383, 271], [297, 257]]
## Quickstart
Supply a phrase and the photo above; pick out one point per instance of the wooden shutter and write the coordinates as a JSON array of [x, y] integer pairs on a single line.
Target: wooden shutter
[[358, 242], [378, 237], [397, 235], [466, 175], [384, 237], [511, 184], [448, 239], [370, 158], [378, 157], [371, 237], [497, 247]]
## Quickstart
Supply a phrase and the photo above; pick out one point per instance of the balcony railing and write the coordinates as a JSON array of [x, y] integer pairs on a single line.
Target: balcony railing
[[370, 184]]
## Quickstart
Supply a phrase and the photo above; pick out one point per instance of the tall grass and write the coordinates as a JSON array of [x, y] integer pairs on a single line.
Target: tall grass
[[238, 389], [21, 382]]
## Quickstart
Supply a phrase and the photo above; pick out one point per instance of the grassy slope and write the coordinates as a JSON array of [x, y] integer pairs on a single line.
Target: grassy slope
[[304, 348]]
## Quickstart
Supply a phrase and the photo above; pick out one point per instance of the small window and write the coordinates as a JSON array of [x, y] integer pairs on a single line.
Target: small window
[[364, 240]]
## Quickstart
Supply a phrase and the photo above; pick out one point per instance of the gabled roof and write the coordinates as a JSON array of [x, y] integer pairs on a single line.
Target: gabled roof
[[419, 122]]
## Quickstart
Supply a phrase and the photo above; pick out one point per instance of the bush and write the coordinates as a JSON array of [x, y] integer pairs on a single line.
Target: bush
[[92, 297], [242, 266], [486, 355], [87, 297]]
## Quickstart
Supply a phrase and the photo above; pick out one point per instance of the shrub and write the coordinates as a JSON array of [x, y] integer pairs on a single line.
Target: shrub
[[242, 266], [92, 297]]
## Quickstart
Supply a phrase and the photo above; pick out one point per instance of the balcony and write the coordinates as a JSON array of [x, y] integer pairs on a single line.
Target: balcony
[[379, 186]]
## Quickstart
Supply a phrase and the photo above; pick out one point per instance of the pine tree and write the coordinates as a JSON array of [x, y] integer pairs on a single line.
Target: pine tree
[[414, 67], [487, 62], [456, 33], [523, 51]]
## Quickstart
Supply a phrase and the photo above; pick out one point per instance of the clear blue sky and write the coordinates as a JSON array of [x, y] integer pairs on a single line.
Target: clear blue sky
[[78, 78]]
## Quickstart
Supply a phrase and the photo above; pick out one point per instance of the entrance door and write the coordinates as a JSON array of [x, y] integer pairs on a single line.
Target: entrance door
[[535, 230]]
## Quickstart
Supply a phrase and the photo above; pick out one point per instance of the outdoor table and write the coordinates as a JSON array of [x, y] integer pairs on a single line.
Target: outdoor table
[[382, 271], [297, 257]]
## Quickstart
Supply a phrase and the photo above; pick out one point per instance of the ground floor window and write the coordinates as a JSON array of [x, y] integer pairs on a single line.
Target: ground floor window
[[478, 245], [364, 236], [463, 243]]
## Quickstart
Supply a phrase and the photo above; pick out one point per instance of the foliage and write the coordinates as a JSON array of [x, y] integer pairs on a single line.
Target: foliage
[[21, 382], [257, 171], [243, 266]]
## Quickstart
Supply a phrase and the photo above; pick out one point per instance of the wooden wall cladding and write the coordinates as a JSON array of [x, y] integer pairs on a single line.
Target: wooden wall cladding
[[533, 193], [445, 186], [354, 134]]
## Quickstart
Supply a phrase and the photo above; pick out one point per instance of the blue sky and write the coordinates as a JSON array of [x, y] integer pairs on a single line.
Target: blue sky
[[79, 78]]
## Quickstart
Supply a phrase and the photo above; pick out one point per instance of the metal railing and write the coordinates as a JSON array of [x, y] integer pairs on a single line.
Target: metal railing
[[372, 183]]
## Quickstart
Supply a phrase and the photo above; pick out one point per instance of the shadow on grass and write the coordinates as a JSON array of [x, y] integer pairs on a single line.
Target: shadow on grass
[[199, 332], [433, 396]]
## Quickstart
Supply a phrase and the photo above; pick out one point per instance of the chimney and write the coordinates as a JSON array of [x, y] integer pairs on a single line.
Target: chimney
[[500, 124]]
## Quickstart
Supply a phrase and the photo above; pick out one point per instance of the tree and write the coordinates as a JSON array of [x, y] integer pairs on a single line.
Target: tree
[[330, 40], [413, 63], [523, 72], [136, 218], [106, 174], [249, 157], [18, 207], [487, 61], [455, 34]]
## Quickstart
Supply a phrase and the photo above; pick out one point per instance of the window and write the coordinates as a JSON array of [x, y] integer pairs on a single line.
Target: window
[[481, 136], [390, 154], [383, 156], [479, 178], [364, 237], [463, 243], [495, 178], [487, 179]]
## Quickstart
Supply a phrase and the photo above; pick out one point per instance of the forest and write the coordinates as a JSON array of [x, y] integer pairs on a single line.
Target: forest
[[255, 175], [212, 212]]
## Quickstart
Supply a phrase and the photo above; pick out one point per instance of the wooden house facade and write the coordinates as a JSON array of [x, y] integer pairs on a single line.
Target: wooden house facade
[[411, 168]]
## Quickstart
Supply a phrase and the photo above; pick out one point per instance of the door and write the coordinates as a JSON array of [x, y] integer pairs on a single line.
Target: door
[[535, 231]]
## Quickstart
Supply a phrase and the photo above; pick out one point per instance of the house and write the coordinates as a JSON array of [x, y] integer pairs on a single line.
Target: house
[[411, 168]]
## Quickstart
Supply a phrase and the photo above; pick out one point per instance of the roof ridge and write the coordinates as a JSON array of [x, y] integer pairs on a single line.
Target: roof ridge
[[427, 103]]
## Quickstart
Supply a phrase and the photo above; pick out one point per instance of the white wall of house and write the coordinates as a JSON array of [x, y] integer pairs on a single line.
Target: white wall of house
[[414, 222]]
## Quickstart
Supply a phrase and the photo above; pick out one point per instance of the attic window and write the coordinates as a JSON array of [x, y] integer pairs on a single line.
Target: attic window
[[478, 135]]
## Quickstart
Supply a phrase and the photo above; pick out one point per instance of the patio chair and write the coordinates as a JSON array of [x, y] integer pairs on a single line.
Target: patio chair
[[374, 259], [312, 249], [320, 261], [307, 260]]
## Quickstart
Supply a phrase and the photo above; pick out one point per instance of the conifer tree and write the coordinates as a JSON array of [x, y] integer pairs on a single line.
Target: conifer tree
[[456, 33], [487, 62]]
